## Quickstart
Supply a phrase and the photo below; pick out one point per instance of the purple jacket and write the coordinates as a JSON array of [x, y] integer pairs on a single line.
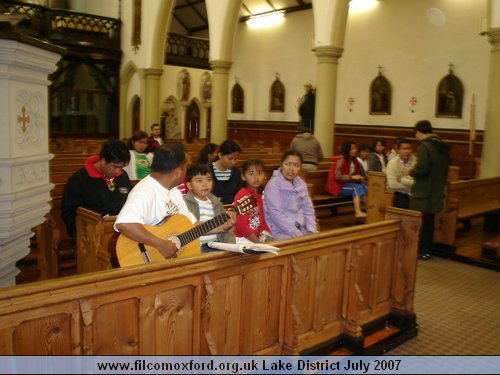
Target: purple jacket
[[288, 208]]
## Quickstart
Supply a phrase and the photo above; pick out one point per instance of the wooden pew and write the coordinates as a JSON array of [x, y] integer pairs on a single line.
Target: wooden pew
[[95, 241], [379, 197], [332, 287], [465, 200], [321, 198]]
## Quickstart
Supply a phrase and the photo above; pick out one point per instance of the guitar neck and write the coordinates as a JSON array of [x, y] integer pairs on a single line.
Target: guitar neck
[[202, 229]]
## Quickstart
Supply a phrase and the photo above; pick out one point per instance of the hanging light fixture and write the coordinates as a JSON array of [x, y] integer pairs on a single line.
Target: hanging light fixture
[[266, 19]]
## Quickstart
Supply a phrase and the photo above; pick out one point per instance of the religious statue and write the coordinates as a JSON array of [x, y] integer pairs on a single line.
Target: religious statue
[[306, 108]]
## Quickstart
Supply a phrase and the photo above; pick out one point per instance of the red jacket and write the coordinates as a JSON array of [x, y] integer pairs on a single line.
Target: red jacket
[[333, 183]]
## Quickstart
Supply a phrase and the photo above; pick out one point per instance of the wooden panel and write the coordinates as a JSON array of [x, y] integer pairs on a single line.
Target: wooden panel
[[222, 310], [174, 326], [115, 328], [222, 303], [50, 335], [261, 317], [316, 295]]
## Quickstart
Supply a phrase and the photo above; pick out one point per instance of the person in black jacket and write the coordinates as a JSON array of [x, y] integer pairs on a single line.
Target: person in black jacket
[[227, 178], [430, 174], [101, 185]]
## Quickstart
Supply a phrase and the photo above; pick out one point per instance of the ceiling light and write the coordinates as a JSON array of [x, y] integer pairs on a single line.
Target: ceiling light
[[361, 5], [266, 19]]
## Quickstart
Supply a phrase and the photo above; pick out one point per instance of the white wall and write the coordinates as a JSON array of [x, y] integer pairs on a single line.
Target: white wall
[[398, 35], [414, 45], [260, 53]]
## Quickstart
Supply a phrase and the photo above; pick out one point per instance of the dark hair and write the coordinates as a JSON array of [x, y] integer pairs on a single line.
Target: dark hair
[[377, 140], [346, 149], [423, 127], [364, 146], [228, 147], [251, 162], [205, 151], [287, 153], [401, 141], [167, 157], [138, 135], [197, 169], [155, 124], [115, 150], [246, 166]]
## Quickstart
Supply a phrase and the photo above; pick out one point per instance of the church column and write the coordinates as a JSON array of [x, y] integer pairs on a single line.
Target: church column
[[326, 89], [150, 97], [220, 79], [24, 149], [490, 161], [330, 19]]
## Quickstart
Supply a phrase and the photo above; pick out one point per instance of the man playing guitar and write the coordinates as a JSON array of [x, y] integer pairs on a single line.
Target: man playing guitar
[[155, 198]]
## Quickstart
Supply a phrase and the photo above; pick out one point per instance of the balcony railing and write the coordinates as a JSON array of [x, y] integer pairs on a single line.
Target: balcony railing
[[187, 51], [63, 27]]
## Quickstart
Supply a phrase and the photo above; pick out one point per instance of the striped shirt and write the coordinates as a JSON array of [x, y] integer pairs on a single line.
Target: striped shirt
[[206, 213]]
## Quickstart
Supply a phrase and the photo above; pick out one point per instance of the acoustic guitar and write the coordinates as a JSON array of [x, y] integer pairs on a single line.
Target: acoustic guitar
[[179, 230]]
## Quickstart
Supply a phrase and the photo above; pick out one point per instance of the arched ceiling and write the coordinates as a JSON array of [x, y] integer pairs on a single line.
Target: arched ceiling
[[190, 16]]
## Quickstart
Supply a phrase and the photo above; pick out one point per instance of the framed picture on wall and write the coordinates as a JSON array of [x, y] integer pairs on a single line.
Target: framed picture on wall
[[277, 96], [449, 97], [380, 96]]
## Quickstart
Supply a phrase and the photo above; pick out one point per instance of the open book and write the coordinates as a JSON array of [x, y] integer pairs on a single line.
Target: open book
[[245, 248]]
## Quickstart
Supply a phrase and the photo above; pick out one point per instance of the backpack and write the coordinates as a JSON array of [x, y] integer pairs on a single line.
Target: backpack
[[332, 185]]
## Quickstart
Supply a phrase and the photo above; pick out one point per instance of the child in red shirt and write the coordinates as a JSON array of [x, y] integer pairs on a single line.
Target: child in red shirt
[[252, 226]]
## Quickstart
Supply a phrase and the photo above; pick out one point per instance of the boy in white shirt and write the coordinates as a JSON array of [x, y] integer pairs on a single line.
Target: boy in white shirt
[[398, 179]]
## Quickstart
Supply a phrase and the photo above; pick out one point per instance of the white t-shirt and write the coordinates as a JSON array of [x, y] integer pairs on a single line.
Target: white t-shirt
[[150, 203]]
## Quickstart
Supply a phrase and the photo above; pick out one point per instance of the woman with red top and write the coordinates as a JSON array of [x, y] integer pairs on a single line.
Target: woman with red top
[[348, 177], [251, 226]]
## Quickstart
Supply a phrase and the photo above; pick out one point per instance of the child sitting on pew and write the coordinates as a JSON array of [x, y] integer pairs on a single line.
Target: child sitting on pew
[[252, 226], [140, 160], [205, 206], [347, 178], [287, 205]]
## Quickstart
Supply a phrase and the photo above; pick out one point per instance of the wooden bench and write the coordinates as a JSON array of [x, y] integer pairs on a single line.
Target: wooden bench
[[316, 181], [95, 241], [225, 303], [379, 197], [466, 199]]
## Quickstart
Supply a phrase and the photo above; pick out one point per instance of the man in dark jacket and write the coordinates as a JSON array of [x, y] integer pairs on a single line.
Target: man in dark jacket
[[430, 174], [101, 185]]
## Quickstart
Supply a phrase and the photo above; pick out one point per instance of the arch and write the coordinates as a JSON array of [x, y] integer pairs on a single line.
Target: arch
[[192, 121], [164, 16], [128, 71], [134, 113]]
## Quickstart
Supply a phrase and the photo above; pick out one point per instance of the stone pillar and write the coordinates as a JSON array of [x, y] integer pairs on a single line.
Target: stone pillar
[[490, 161], [326, 90], [220, 78], [24, 149], [150, 97]]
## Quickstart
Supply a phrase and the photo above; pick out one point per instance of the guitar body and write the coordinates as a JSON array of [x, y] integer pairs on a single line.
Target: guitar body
[[129, 253]]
